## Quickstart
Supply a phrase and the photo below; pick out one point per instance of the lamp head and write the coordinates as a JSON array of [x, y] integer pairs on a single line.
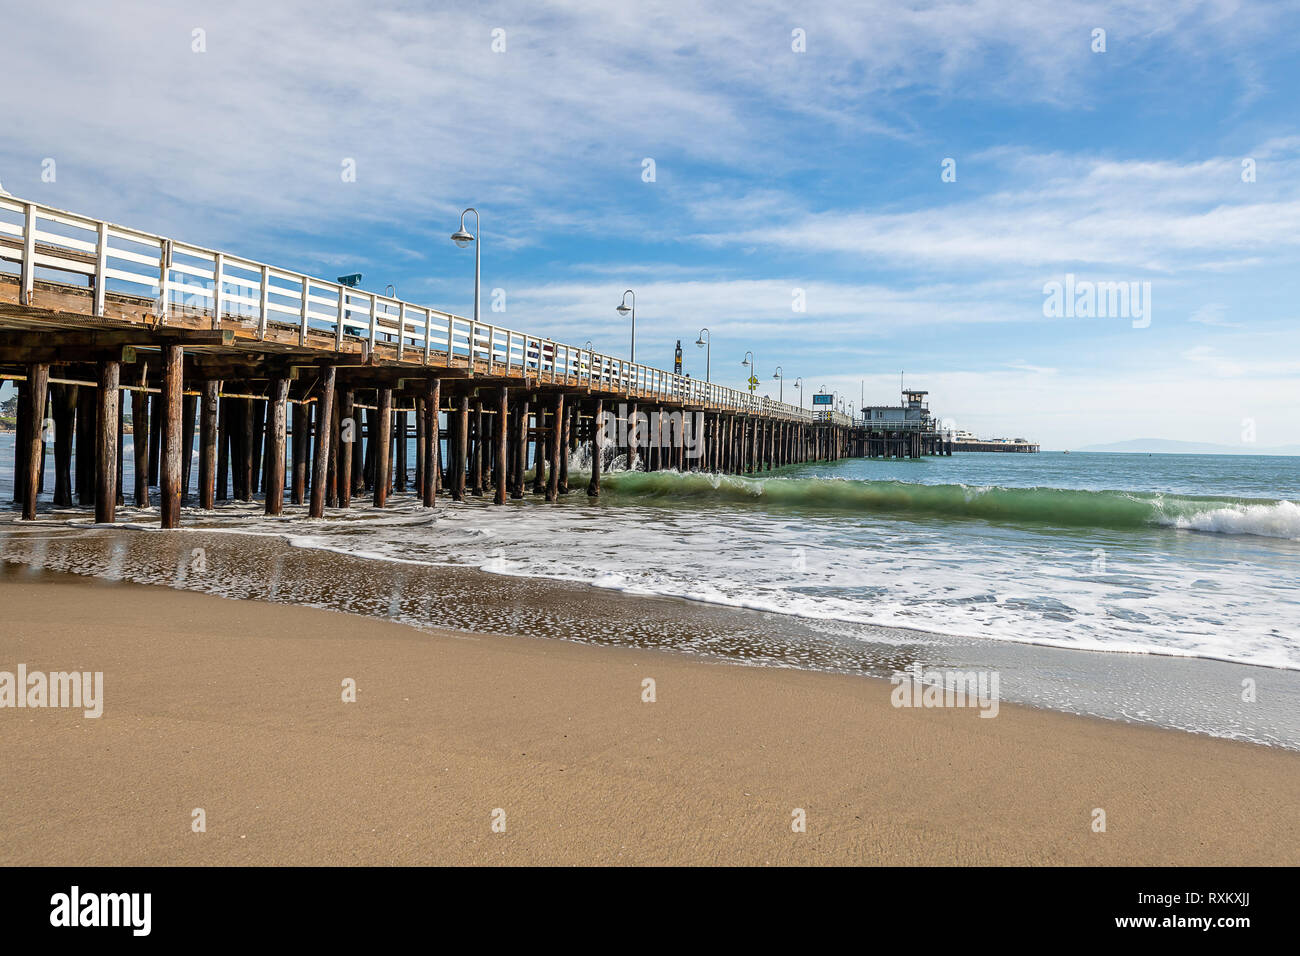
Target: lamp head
[[623, 308], [461, 238]]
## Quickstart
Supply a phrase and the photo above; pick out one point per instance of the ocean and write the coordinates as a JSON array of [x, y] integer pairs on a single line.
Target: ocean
[[1178, 556]]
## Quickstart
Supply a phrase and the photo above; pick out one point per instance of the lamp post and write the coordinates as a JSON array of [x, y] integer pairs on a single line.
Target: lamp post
[[751, 363], [798, 383], [624, 310], [706, 339], [463, 239], [780, 376]]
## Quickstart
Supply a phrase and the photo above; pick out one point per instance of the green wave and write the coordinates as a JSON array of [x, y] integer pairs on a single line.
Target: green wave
[[1056, 506]]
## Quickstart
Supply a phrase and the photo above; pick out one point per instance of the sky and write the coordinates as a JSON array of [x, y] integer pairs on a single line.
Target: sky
[[858, 194]]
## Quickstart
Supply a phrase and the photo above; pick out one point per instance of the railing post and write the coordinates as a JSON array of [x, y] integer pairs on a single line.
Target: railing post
[[338, 329], [401, 329], [373, 321], [262, 317], [29, 255], [428, 320], [164, 279], [302, 314], [218, 281], [101, 267]]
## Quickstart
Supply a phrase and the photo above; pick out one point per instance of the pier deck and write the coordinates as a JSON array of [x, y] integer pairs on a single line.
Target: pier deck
[[295, 384]]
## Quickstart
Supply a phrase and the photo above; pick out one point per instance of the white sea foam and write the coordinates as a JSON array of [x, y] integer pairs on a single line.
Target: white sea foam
[[1274, 520]]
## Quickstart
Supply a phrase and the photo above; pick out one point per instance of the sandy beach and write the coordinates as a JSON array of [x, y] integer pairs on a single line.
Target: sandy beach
[[235, 707]]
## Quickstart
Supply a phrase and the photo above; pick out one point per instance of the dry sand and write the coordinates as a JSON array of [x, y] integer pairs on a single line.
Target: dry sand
[[235, 707]]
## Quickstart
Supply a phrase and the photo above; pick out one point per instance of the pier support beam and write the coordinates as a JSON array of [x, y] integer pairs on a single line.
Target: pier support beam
[[38, 383], [107, 410], [400, 465], [298, 480], [459, 462], [502, 430], [207, 445], [564, 419], [85, 464], [432, 398], [321, 462], [347, 439], [383, 446], [539, 448], [556, 449], [189, 404], [169, 481], [521, 446], [277, 426], [476, 450], [597, 448], [63, 405], [140, 444]]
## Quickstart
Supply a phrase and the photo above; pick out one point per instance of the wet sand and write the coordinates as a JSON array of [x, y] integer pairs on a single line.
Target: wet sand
[[234, 706]]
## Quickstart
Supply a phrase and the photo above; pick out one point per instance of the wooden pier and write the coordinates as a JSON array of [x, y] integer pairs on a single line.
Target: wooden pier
[[300, 387]]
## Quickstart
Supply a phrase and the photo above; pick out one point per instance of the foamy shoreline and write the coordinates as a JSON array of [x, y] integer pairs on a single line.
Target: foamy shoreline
[[1195, 695]]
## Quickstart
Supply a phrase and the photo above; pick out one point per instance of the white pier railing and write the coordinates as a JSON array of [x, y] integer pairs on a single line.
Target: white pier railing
[[182, 278]]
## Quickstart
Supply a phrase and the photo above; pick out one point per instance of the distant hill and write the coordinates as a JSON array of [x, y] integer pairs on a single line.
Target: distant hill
[[1164, 446]]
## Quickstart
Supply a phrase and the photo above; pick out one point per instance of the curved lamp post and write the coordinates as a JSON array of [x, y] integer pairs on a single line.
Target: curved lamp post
[[798, 383], [780, 376], [706, 339], [752, 363], [463, 239], [624, 310]]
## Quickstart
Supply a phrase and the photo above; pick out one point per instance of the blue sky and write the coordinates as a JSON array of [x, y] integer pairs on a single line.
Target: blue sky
[[775, 170]]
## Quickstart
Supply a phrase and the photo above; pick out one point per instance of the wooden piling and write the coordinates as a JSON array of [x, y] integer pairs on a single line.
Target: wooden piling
[[169, 481], [347, 438], [189, 404], [277, 426], [85, 463], [223, 448], [521, 447], [140, 444], [38, 381], [383, 445], [502, 423], [400, 467], [597, 448], [475, 446], [556, 449], [562, 485], [207, 444], [460, 460], [156, 417], [324, 408], [107, 409], [432, 448], [63, 404], [539, 450], [298, 479]]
